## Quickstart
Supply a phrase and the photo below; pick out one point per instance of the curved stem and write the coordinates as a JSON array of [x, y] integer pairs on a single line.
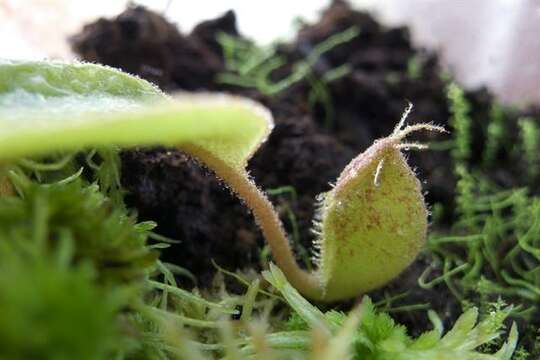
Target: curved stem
[[266, 217]]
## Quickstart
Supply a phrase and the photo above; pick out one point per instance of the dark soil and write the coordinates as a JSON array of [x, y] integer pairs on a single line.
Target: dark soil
[[305, 151]]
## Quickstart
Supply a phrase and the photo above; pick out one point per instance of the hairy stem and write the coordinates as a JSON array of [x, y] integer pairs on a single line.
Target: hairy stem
[[267, 219]]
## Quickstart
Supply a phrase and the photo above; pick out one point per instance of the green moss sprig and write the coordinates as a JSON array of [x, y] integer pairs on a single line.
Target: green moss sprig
[[530, 139], [251, 66]]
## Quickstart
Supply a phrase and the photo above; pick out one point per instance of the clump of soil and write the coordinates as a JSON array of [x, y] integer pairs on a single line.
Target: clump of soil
[[142, 42], [304, 151]]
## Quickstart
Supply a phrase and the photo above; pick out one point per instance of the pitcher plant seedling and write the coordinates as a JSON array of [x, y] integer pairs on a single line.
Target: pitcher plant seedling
[[371, 224]]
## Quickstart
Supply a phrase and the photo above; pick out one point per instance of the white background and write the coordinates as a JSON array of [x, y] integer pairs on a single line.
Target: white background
[[484, 42]]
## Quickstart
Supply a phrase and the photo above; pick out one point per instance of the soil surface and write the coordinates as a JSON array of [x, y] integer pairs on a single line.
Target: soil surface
[[310, 145]]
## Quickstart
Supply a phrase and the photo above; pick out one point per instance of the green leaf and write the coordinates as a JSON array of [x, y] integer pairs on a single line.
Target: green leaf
[[46, 107], [58, 79], [374, 222]]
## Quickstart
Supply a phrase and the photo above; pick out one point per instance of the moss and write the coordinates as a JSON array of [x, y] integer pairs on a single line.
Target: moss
[[54, 310], [77, 213]]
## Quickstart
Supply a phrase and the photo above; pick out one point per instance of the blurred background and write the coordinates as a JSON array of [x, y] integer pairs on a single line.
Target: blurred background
[[483, 42]]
